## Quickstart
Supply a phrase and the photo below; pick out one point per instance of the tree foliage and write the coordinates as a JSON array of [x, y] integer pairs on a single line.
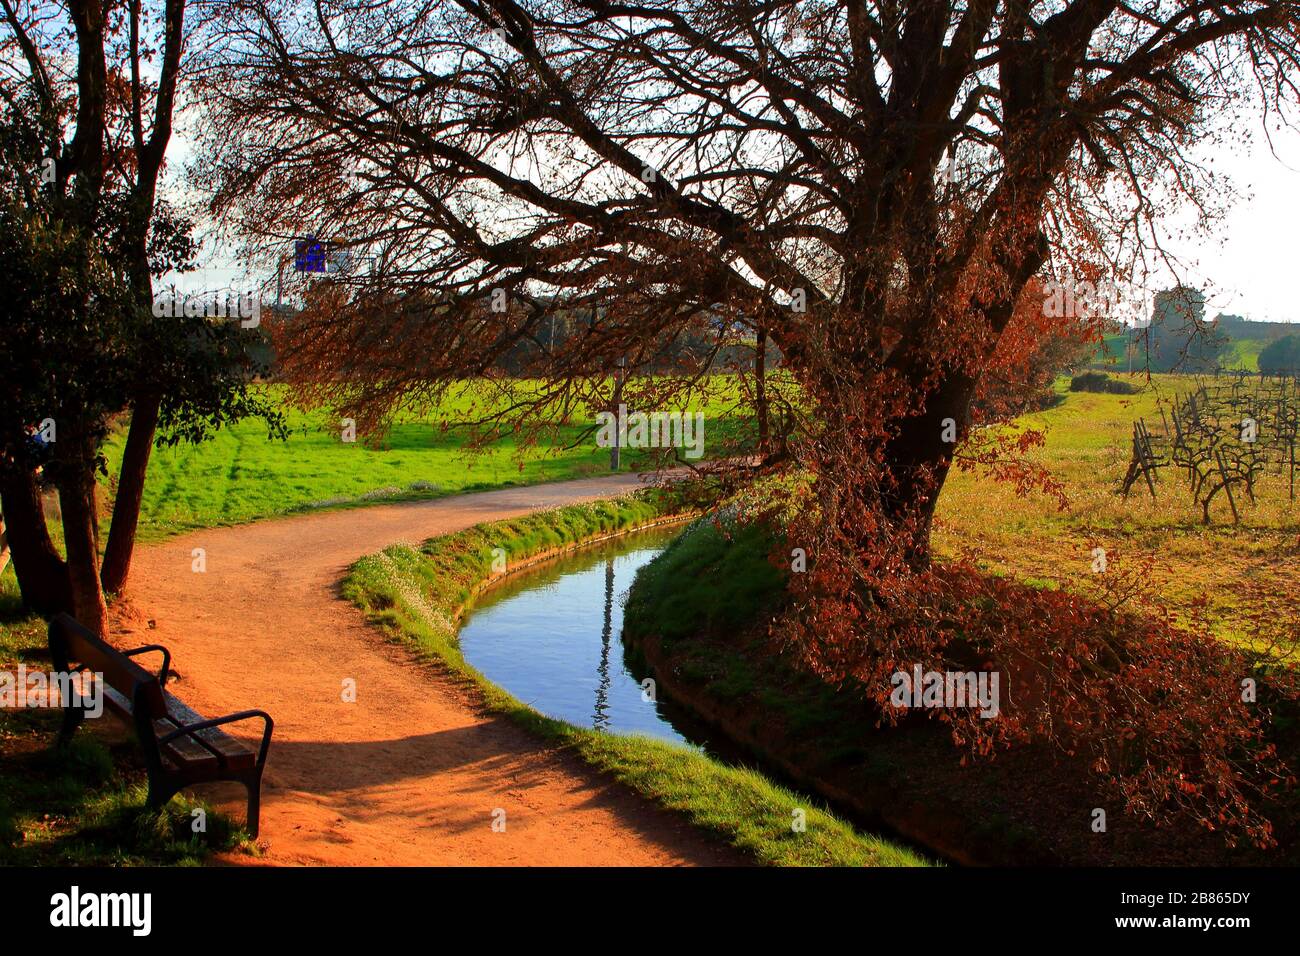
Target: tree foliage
[[1281, 356]]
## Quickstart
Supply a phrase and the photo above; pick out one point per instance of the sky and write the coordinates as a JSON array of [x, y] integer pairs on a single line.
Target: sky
[[1250, 262]]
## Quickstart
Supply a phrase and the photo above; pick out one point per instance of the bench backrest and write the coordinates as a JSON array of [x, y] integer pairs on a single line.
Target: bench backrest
[[70, 642]]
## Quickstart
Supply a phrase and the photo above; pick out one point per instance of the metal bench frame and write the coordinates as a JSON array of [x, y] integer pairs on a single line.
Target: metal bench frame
[[168, 775]]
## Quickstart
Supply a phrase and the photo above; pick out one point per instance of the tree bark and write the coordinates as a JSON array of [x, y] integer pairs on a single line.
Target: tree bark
[[77, 499], [918, 456], [144, 414], [130, 491], [918, 459], [42, 575]]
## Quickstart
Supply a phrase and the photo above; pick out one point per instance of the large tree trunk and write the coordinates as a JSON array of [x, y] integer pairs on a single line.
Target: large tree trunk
[[144, 414], [918, 458], [42, 575], [76, 496], [920, 453], [76, 483], [130, 491], [940, 377]]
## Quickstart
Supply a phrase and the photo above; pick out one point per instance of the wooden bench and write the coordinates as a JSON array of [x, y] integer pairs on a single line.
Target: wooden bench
[[181, 748]]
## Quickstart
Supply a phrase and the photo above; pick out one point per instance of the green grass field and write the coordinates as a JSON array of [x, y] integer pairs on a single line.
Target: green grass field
[[242, 475], [1243, 354]]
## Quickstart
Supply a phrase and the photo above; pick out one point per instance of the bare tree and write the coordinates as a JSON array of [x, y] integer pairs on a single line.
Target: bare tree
[[871, 184]]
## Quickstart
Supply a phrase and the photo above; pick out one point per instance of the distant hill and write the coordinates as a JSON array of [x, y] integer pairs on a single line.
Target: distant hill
[[1240, 327], [1245, 340]]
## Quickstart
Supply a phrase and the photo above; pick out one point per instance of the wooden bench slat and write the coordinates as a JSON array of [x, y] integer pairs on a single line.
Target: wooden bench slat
[[232, 753], [120, 671], [202, 747], [184, 750], [115, 702]]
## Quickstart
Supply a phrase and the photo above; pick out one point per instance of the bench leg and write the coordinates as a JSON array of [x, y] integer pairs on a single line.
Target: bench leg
[[72, 718], [160, 793], [254, 787]]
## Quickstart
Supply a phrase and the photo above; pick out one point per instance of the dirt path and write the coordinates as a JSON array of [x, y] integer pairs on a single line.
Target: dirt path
[[409, 773]]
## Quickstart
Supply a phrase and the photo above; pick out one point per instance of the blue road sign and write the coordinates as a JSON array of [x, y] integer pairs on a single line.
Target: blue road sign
[[308, 255]]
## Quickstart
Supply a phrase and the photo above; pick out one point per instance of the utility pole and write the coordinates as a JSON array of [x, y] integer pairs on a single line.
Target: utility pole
[[618, 420]]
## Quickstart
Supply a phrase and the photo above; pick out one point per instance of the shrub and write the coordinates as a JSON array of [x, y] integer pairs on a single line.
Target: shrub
[[1103, 383]]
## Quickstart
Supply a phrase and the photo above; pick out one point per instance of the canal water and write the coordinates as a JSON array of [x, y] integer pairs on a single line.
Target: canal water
[[552, 637]]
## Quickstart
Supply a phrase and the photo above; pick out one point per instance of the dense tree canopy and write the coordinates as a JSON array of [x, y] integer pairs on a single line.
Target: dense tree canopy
[[1281, 356]]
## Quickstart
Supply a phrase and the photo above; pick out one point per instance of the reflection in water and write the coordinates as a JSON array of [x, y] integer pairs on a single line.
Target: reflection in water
[[552, 637], [600, 717]]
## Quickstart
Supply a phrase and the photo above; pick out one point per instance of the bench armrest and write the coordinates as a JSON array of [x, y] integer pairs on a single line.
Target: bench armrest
[[190, 729], [148, 648]]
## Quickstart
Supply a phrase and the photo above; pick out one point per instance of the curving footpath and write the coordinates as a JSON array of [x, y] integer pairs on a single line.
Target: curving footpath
[[411, 773]]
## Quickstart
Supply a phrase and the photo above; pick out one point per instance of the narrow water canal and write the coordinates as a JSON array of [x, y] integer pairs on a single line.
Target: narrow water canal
[[552, 637]]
